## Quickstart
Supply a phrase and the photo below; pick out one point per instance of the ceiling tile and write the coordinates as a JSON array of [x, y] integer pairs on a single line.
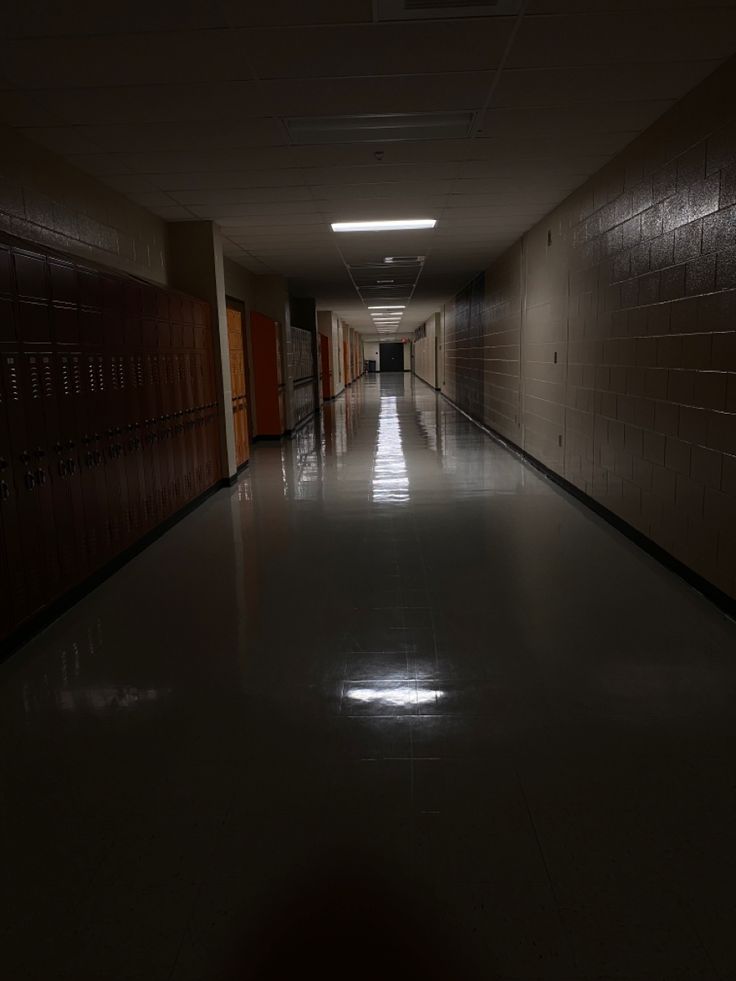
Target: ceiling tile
[[380, 49], [624, 37], [568, 86]]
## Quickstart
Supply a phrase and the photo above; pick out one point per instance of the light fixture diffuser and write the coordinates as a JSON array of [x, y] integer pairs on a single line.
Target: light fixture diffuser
[[404, 224], [395, 306]]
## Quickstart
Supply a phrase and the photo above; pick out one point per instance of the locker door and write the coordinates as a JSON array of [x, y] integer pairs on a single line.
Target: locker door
[[97, 530], [191, 421], [180, 311], [152, 369], [165, 402], [37, 388], [8, 335], [238, 385], [93, 415], [112, 398], [213, 423], [31, 587], [66, 453], [14, 601], [132, 443]]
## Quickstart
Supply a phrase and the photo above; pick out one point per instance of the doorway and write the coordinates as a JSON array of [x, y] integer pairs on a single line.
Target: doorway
[[392, 357]]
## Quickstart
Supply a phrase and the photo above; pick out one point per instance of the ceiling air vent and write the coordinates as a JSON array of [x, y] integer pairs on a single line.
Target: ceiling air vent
[[444, 9], [380, 128]]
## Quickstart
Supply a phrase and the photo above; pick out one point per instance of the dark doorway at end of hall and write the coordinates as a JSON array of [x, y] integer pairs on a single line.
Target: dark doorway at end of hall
[[392, 357]]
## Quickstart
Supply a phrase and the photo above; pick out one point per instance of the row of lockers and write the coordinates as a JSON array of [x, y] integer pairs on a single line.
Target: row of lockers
[[100, 440], [304, 372]]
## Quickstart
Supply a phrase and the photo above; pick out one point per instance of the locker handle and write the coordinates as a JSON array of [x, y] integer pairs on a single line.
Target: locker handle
[[62, 468], [41, 476], [30, 480], [4, 490]]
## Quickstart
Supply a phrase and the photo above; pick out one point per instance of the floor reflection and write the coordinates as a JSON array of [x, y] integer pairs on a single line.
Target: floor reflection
[[391, 703]]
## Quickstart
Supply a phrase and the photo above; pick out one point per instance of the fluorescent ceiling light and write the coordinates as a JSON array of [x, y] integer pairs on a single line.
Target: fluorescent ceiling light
[[406, 224], [395, 306]]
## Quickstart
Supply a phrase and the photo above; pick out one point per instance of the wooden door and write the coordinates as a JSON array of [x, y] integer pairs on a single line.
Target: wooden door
[[326, 369], [238, 384]]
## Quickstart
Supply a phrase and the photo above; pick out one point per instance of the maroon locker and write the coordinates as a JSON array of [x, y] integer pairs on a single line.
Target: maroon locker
[[108, 418], [66, 455], [15, 602], [42, 417], [113, 395], [8, 336], [132, 443], [32, 593]]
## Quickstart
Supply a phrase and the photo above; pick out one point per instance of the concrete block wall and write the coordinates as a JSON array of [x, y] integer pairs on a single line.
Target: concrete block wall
[[425, 347], [46, 200], [622, 306]]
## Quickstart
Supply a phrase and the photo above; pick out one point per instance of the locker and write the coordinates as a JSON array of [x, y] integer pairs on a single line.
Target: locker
[[66, 467], [239, 408], [32, 591], [31, 277], [8, 334], [15, 601], [268, 386], [108, 419], [34, 323], [63, 283]]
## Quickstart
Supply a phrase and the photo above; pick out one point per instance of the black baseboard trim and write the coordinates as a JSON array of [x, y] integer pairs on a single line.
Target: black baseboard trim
[[725, 603], [45, 617]]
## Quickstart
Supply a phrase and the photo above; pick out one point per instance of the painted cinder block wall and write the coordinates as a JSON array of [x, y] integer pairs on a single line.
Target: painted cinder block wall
[[605, 343], [46, 200]]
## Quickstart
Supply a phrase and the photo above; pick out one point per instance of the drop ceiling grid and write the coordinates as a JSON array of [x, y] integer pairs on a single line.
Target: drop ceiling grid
[[204, 138]]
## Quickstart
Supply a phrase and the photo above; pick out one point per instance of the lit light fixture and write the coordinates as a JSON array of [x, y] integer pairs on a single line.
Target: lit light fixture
[[385, 281], [397, 306], [402, 225]]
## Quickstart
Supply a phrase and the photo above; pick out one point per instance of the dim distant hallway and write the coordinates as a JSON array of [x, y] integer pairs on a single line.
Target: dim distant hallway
[[392, 706]]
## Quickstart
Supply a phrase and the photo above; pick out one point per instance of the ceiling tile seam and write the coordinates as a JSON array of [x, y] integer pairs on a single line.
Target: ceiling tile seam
[[245, 251]]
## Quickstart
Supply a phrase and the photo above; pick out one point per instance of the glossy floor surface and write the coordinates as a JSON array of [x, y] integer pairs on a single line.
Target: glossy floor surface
[[393, 707]]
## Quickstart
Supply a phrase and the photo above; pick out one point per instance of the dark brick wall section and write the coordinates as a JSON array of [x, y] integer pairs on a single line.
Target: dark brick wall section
[[626, 305]]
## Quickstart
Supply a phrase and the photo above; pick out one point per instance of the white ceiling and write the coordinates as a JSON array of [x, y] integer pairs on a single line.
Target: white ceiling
[[180, 105]]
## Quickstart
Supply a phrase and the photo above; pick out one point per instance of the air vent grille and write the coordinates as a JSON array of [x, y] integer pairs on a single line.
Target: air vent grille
[[445, 9]]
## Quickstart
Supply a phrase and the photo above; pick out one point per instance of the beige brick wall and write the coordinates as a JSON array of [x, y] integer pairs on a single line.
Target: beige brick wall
[[48, 201], [425, 362], [626, 300]]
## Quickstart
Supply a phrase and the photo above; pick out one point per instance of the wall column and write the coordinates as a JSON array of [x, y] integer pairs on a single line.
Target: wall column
[[196, 267]]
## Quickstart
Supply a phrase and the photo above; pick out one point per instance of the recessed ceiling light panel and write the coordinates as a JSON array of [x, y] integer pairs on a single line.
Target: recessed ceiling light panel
[[400, 225]]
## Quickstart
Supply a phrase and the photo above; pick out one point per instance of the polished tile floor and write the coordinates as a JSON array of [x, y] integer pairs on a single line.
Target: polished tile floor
[[393, 707]]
